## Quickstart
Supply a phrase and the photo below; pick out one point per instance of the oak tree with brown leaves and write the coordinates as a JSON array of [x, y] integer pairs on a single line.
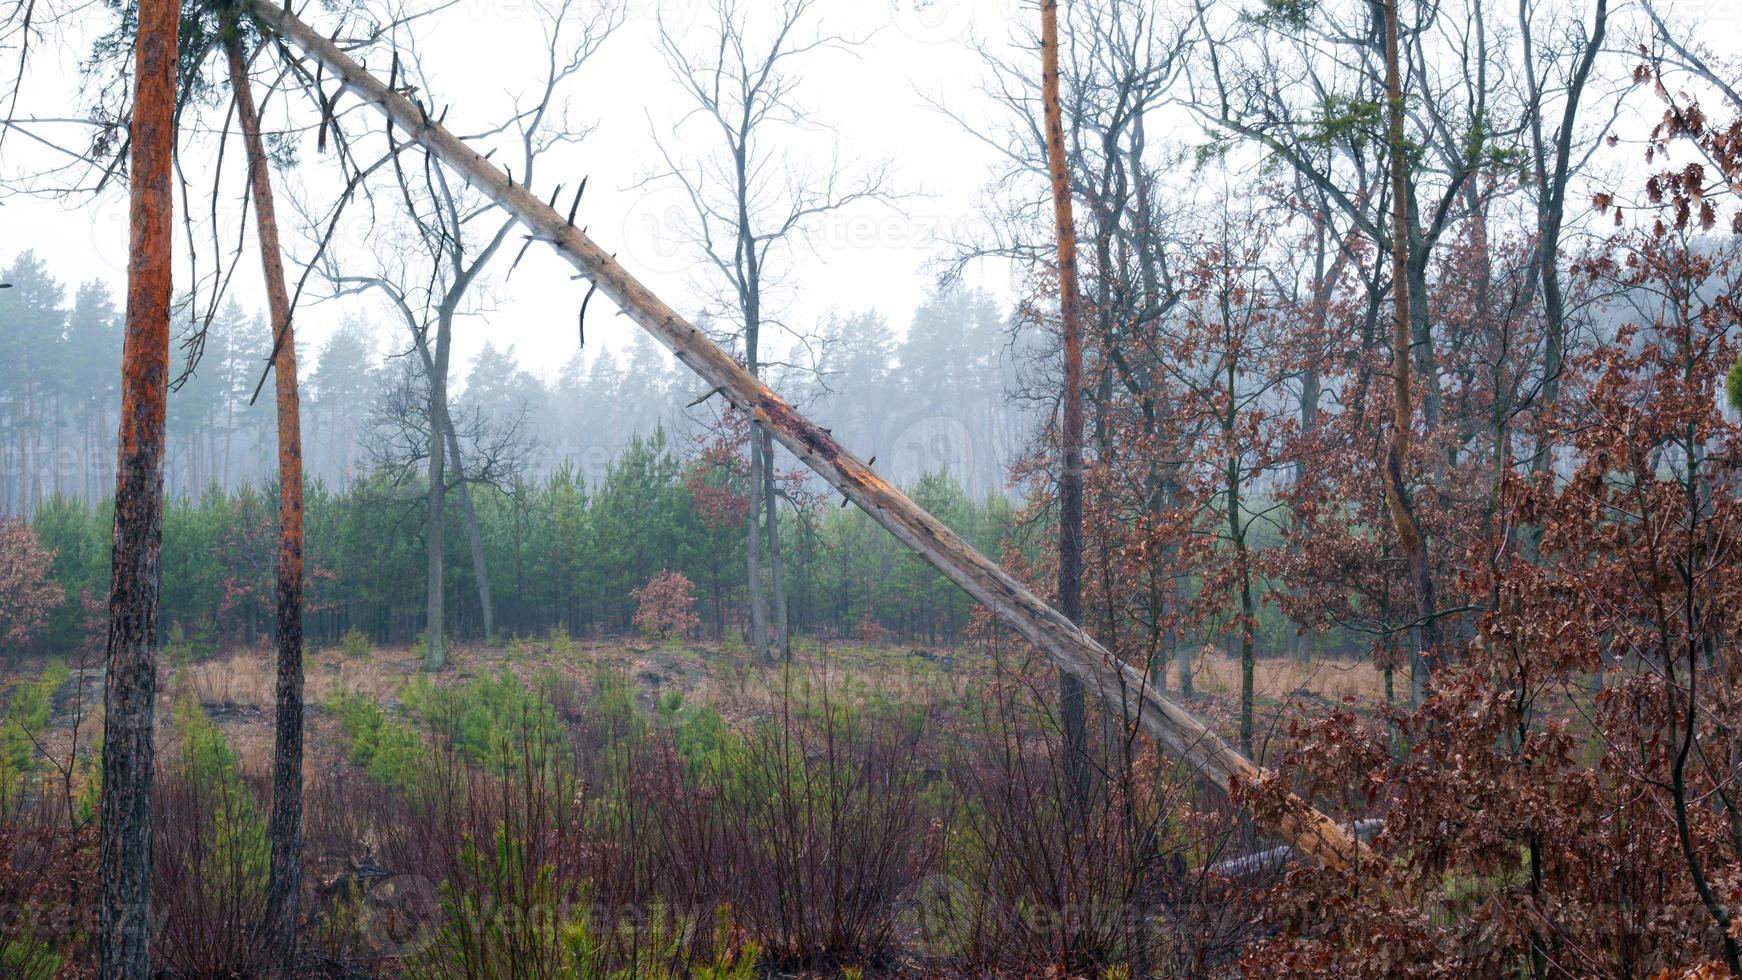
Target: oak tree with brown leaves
[[27, 593]]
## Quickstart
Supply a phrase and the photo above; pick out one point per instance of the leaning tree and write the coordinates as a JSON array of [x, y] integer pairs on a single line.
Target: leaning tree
[[1119, 685]]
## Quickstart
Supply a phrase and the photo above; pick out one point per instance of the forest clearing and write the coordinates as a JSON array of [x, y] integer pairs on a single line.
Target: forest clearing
[[759, 488], [889, 760]]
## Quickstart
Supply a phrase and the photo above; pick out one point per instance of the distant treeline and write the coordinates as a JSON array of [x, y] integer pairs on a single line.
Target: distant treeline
[[562, 553], [937, 397]]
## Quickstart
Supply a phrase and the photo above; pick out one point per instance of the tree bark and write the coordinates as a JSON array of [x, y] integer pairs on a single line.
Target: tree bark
[[780, 645], [1120, 685], [1237, 536], [474, 537], [130, 684], [1072, 710], [753, 552], [284, 882], [1323, 284], [435, 499], [762, 502], [1403, 516], [1183, 644]]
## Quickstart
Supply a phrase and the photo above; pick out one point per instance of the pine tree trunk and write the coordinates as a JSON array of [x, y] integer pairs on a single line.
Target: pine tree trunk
[[130, 685], [1072, 709], [1122, 687], [27, 470], [284, 882]]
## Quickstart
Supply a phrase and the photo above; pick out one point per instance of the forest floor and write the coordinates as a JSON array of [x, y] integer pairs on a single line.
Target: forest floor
[[351, 819], [236, 688]]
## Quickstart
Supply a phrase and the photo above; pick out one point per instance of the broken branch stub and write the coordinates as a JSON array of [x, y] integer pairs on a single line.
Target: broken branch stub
[[1117, 683]]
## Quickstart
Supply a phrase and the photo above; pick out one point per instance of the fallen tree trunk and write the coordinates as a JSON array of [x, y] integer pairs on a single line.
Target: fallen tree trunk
[[1267, 862], [1118, 684]]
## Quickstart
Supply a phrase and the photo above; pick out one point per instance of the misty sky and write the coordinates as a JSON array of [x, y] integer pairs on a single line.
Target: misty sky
[[869, 104]]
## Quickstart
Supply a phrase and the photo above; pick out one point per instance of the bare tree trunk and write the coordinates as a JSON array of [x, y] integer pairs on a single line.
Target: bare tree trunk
[[56, 441], [1121, 686], [780, 647], [1182, 651], [1237, 535], [474, 538], [1070, 571], [87, 455], [753, 552], [762, 502], [130, 685], [1309, 405], [28, 442], [229, 428], [435, 497], [1397, 494], [1552, 179], [284, 883], [1309, 421]]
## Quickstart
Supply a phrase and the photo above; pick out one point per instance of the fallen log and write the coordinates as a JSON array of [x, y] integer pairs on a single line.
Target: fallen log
[[1118, 684], [1253, 866]]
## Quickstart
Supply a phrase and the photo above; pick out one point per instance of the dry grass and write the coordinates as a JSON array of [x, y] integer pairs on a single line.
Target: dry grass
[[1284, 678], [380, 677], [238, 689], [244, 679]]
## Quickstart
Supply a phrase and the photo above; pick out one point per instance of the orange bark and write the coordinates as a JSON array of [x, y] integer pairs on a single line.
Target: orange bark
[[284, 883], [130, 684], [1072, 710]]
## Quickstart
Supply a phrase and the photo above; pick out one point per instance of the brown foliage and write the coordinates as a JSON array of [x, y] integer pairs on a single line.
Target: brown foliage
[[1564, 803], [27, 595], [666, 606]]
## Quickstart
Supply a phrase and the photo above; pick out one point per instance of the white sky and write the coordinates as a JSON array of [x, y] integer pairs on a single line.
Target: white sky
[[482, 53], [870, 104]]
